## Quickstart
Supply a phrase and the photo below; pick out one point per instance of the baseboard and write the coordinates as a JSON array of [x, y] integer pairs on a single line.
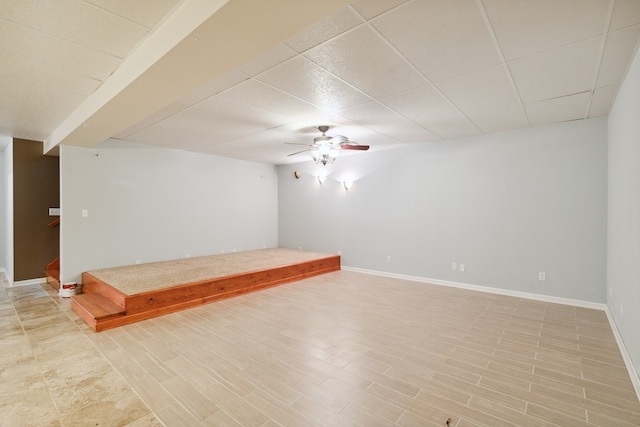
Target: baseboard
[[3, 272], [625, 354], [488, 289], [37, 281], [635, 380]]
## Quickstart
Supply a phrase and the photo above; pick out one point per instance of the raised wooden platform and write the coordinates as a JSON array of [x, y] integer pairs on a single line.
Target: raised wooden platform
[[103, 306]]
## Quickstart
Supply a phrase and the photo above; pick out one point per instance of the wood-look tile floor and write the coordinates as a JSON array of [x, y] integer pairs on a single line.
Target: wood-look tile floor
[[342, 349]]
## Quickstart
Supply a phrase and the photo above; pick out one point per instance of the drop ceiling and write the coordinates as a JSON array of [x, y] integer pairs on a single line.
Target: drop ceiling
[[240, 78]]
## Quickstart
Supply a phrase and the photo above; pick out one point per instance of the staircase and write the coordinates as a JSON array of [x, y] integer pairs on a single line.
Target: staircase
[[52, 273]]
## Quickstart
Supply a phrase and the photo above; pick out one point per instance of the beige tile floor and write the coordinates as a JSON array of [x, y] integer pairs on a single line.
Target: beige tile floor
[[342, 349]]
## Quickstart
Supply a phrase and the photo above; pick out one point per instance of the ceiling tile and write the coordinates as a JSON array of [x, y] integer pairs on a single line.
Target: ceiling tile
[[558, 110], [41, 48], [381, 119], [365, 61], [271, 100], [525, 27], [230, 113], [163, 114], [625, 14], [619, 47], [306, 80], [602, 100], [214, 87], [372, 8], [448, 43], [147, 13], [429, 109], [488, 99], [324, 30], [191, 129], [32, 120], [266, 60], [556, 73], [204, 92], [78, 22], [45, 76], [33, 92]]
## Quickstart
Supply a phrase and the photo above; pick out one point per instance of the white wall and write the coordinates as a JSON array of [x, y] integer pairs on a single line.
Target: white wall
[[623, 251], [153, 204], [3, 208], [6, 205], [506, 205]]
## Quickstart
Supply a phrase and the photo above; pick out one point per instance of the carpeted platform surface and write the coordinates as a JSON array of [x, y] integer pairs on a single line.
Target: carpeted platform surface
[[136, 279]]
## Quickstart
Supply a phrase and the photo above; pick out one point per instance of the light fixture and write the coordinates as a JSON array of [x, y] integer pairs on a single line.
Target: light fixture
[[347, 184], [324, 153], [323, 150], [321, 178]]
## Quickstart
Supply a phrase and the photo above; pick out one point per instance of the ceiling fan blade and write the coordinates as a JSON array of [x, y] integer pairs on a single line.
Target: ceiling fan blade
[[297, 143], [354, 147], [339, 139], [297, 152]]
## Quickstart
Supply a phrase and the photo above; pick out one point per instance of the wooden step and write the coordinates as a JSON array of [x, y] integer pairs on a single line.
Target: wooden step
[[93, 308], [53, 278], [52, 273]]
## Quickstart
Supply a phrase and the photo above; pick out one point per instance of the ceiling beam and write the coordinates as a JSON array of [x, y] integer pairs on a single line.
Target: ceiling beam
[[200, 41]]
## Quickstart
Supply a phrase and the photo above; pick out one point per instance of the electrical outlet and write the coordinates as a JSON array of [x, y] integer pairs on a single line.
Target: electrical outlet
[[542, 276], [454, 266], [85, 213], [461, 267], [137, 261], [388, 258], [339, 252], [187, 256]]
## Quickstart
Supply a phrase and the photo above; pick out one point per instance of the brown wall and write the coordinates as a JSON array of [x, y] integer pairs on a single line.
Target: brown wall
[[36, 188]]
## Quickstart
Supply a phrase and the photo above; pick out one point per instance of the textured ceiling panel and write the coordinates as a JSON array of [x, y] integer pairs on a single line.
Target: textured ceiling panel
[[147, 13], [387, 122], [625, 14], [453, 42], [557, 110], [372, 8], [471, 92], [42, 48], [266, 60], [429, 109], [78, 22], [382, 72], [559, 72], [618, 48], [525, 27], [324, 30], [364, 60], [271, 100], [308, 81]]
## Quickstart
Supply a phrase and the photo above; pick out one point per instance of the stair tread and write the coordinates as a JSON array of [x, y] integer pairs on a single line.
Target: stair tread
[[98, 306]]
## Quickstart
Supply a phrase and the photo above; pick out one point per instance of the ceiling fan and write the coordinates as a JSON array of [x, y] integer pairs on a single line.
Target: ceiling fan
[[325, 148]]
